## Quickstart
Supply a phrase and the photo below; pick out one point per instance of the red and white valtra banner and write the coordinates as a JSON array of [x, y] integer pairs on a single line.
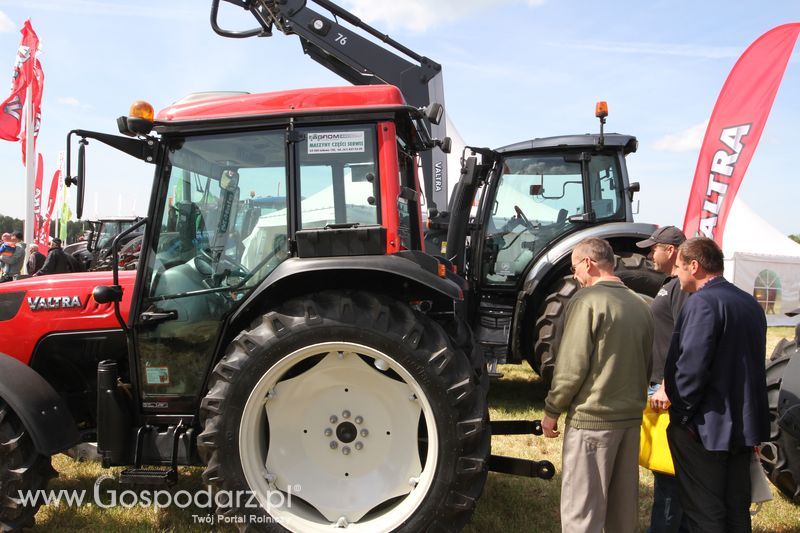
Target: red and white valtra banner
[[734, 130]]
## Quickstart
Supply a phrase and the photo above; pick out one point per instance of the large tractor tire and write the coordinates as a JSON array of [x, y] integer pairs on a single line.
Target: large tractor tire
[[633, 269], [350, 409], [22, 468], [781, 460]]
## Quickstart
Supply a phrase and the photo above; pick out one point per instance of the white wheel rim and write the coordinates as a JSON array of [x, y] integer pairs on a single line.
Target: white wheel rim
[[336, 485]]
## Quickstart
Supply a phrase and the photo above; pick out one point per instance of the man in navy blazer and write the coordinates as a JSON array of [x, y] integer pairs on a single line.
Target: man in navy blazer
[[716, 381]]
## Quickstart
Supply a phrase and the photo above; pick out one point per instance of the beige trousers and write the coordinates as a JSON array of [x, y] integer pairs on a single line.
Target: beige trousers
[[600, 480]]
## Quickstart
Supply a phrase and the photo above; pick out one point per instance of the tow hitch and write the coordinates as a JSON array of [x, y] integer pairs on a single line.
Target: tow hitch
[[514, 465]]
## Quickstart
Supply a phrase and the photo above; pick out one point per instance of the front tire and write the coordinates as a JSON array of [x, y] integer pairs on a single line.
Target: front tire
[[782, 462], [358, 407], [635, 272], [22, 468]]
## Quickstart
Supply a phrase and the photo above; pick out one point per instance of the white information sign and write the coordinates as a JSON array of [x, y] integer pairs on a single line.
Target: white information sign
[[336, 142]]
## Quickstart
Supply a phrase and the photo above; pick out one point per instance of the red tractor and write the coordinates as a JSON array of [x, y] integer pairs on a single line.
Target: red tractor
[[315, 347]]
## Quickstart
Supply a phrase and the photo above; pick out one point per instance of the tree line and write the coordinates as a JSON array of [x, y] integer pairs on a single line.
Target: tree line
[[11, 224]]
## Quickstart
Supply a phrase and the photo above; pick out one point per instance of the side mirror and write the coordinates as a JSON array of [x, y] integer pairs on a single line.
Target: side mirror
[[434, 113], [104, 294], [81, 179], [633, 188]]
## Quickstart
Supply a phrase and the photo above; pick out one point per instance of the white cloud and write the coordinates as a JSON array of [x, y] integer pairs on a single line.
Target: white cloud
[[421, 15], [663, 49], [72, 102], [684, 141], [6, 24]]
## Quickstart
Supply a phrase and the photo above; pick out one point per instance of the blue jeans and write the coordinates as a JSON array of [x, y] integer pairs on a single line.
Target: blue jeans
[[667, 513]]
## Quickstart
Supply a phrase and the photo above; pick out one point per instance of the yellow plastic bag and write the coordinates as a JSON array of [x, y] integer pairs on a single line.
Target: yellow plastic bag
[[653, 447]]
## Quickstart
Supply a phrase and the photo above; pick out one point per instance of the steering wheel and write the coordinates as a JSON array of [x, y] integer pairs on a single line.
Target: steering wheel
[[524, 219], [204, 264]]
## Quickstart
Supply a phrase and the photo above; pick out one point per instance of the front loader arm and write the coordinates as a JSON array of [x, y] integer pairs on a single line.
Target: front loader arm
[[358, 60]]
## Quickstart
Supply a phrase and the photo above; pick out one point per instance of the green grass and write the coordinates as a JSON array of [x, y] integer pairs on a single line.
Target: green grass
[[508, 503]]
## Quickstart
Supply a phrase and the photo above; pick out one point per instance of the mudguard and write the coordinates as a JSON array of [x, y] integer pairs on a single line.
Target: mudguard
[[789, 397], [38, 405], [564, 247], [404, 266]]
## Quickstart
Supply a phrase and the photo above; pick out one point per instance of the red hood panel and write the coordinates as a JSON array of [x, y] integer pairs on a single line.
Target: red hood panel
[[59, 303]]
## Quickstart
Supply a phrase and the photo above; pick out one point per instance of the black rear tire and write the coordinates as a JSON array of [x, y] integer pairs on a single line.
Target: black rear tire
[[633, 269], [22, 468], [783, 464], [419, 345]]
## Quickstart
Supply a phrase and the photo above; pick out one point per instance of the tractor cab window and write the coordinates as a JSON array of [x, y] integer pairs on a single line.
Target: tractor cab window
[[535, 197], [110, 229], [223, 229], [338, 176]]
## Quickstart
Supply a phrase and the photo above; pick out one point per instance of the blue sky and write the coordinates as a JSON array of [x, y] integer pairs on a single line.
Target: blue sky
[[513, 70]]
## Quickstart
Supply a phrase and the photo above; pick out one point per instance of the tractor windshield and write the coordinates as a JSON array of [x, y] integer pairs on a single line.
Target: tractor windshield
[[535, 197]]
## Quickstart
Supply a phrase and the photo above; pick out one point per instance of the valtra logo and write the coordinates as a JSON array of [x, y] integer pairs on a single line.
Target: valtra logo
[[38, 303]]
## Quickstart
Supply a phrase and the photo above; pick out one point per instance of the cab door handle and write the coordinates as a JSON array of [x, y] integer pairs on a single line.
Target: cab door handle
[[154, 317]]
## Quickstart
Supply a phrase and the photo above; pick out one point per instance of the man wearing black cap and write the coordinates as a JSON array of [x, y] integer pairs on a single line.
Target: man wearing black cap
[[57, 261], [667, 512]]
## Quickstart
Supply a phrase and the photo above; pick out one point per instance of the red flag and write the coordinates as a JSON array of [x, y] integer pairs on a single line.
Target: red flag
[[11, 108], [37, 197], [44, 231], [734, 130]]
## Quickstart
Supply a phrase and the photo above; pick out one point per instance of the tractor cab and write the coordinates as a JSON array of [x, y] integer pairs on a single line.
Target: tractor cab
[[515, 216], [244, 183]]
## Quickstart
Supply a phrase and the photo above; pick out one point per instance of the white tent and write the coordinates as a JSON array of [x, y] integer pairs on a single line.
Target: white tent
[[762, 261]]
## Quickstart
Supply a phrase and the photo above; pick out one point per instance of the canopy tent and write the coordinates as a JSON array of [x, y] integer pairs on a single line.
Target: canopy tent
[[762, 261]]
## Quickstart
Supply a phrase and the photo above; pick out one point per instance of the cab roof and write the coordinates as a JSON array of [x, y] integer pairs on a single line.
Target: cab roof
[[326, 99], [628, 143]]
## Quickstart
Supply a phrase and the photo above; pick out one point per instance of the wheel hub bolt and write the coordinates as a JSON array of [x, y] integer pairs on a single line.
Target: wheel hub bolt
[[359, 419], [346, 450], [345, 414], [328, 432], [333, 419], [359, 445], [364, 432], [334, 445]]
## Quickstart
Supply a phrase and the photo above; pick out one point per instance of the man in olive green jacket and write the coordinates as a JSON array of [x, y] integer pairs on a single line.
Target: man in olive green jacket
[[600, 381]]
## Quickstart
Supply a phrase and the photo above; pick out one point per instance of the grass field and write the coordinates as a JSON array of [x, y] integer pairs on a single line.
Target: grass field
[[509, 504]]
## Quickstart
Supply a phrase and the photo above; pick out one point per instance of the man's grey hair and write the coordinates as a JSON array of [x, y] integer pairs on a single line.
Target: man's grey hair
[[598, 250]]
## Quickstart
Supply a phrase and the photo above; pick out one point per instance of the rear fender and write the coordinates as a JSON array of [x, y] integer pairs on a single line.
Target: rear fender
[[789, 397], [42, 411], [394, 275], [613, 232]]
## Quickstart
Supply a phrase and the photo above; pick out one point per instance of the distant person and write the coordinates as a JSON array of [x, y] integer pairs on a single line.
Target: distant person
[[7, 249], [600, 382], [36, 259], [667, 513], [12, 262], [57, 261], [716, 383]]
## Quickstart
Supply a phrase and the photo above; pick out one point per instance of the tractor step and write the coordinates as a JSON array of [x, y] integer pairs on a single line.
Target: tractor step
[[163, 477]]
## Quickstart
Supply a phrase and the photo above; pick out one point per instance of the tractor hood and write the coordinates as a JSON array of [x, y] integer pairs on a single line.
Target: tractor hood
[[32, 308]]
